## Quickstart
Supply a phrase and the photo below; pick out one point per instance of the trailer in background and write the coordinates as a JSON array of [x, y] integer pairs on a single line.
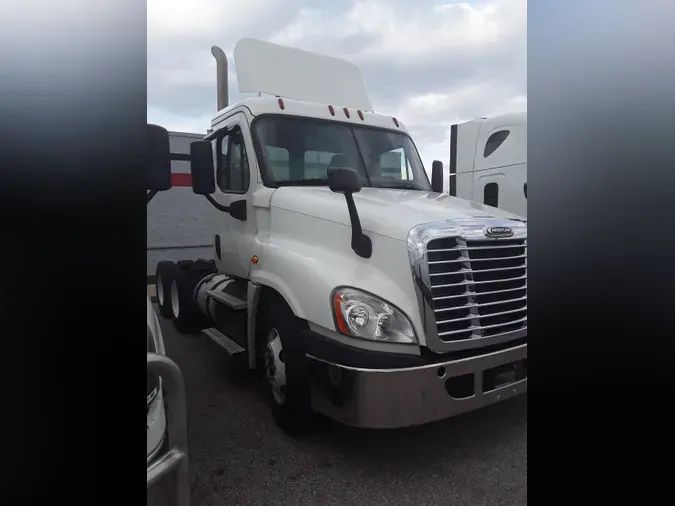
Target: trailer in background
[[488, 161]]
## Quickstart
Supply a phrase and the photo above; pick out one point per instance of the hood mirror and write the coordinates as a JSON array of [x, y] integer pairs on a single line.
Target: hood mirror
[[348, 181]]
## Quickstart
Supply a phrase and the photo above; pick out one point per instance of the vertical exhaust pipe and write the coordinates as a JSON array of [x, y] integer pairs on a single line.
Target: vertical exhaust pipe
[[221, 72]]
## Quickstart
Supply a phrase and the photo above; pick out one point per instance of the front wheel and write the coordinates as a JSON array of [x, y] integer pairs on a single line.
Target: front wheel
[[285, 369]]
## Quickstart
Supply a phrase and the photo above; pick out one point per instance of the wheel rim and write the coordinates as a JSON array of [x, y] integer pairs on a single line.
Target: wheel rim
[[275, 367], [159, 288], [175, 306]]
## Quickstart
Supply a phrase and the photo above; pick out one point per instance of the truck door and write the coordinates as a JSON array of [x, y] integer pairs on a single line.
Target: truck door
[[500, 169], [236, 177]]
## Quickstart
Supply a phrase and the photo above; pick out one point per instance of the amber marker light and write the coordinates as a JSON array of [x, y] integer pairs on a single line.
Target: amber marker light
[[339, 319]]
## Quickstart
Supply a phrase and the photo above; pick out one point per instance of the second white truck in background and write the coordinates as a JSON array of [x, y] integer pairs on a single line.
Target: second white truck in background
[[488, 161]]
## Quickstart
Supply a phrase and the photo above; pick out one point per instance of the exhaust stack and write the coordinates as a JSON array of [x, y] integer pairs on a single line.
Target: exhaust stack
[[221, 72]]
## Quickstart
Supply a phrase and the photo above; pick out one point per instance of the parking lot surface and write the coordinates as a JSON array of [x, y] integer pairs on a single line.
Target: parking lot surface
[[239, 456]]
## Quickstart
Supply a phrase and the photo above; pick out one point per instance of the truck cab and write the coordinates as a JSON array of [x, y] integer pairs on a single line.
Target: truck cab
[[488, 161], [351, 281]]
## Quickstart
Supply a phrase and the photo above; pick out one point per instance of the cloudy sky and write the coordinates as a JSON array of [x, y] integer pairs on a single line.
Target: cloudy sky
[[430, 63]]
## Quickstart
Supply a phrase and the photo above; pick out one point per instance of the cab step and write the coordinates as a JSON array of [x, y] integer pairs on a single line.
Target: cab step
[[230, 347], [229, 300]]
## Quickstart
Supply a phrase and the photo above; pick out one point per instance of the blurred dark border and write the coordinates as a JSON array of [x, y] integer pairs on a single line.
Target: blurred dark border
[[601, 95], [72, 201]]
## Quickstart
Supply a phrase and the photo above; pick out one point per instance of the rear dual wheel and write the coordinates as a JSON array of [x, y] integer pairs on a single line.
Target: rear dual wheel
[[164, 275], [176, 283], [185, 313]]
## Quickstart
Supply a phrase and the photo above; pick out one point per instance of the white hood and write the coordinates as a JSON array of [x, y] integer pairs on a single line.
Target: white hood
[[387, 212]]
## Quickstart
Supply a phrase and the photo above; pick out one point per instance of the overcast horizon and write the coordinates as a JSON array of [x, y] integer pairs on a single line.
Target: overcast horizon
[[430, 64]]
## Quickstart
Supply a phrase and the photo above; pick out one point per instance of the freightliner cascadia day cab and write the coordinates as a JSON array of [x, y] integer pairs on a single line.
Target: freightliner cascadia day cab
[[351, 281], [166, 455], [488, 161]]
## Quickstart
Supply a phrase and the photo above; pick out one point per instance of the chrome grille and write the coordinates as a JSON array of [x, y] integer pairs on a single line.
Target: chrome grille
[[478, 287]]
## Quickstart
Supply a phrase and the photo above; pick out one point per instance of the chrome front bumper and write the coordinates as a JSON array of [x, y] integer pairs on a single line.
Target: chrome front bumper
[[391, 398]]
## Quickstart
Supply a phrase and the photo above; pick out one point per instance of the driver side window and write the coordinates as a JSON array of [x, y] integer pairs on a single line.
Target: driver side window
[[232, 171]]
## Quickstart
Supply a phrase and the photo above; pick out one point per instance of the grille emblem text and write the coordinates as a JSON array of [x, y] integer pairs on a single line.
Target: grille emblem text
[[499, 232]]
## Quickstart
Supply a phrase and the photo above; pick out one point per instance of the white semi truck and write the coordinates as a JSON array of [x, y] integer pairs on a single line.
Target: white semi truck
[[488, 161], [359, 289]]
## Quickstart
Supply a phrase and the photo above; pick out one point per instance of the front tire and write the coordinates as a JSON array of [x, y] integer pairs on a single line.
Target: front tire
[[284, 368]]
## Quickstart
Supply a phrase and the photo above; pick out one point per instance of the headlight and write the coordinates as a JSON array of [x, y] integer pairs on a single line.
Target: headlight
[[358, 314]]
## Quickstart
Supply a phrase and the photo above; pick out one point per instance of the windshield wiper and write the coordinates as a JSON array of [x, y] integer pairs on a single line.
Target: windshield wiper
[[303, 182], [400, 185]]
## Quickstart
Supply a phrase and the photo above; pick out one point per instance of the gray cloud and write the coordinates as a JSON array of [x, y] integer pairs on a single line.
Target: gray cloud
[[469, 59]]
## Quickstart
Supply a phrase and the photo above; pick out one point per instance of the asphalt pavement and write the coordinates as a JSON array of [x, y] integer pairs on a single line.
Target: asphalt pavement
[[239, 456]]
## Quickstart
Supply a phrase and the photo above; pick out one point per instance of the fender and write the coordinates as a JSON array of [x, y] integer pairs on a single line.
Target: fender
[[252, 298], [262, 277], [259, 279], [312, 270]]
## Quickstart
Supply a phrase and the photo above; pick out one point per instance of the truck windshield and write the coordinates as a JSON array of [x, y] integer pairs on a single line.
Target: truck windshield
[[298, 151]]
